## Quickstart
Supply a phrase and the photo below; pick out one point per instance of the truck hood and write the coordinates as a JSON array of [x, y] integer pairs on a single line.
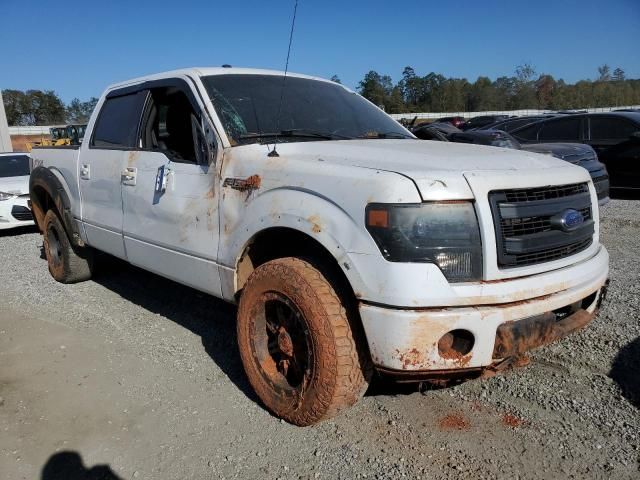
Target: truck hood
[[437, 168], [15, 185]]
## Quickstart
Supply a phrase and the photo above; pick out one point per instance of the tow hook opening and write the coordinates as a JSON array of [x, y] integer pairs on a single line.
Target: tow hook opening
[[456, 344]]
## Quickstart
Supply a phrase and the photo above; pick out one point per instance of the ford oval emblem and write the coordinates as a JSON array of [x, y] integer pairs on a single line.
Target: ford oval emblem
[[571, 219]]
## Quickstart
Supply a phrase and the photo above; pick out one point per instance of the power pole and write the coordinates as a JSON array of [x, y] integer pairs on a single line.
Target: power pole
[[5, 139]]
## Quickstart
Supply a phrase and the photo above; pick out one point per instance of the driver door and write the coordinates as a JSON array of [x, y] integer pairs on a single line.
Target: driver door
[[171, 223]]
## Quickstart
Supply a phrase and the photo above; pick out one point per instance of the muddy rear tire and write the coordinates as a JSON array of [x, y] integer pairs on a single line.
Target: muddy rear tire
[[66, 264], [297, 344]]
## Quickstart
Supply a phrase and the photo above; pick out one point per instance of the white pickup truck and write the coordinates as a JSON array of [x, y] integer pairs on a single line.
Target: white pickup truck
[[349, 245]]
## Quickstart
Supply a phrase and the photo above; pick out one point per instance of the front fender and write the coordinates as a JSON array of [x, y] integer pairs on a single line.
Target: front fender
[[318, 217]]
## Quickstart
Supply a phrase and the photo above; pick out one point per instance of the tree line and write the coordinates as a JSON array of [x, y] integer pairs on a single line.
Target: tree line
[[413, 93], [38, 107], [524, 90]]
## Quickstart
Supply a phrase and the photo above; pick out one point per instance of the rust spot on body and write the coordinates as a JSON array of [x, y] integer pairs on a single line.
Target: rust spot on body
[[132, 157], [316, 223], [458, 358], [243, 184], [410, 358]]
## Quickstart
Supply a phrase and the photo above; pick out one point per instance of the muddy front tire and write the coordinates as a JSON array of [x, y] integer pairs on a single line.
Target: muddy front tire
[[298, 345], [66, 264]]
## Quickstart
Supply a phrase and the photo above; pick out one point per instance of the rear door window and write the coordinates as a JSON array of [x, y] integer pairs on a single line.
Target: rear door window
[[610, 128], [527, 133], [117, 124], [561, 129], [510, 125]]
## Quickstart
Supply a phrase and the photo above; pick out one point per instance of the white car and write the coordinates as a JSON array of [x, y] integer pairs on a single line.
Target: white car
[[14, 191]]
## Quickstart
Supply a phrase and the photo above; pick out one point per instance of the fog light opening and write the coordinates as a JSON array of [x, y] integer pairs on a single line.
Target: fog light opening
[[455, 344]]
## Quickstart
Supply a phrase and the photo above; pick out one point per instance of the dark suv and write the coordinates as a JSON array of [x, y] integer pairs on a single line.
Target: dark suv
[[615, 136]]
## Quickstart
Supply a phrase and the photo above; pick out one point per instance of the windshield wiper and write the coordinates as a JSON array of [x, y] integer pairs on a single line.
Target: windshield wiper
[[385, 135], [296, 132]]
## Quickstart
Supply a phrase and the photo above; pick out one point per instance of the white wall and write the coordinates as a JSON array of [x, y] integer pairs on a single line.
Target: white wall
[[5, 139], [30, 130]]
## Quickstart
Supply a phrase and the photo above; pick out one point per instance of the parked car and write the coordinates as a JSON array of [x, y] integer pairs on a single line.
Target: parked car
[[14, 191], [615, 136], [455, 121], [575, 153], [481, 121], [350, 245], [434, 131], [513, 123]]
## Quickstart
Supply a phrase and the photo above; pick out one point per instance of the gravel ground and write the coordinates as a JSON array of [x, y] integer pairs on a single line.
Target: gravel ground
[[133, 376]]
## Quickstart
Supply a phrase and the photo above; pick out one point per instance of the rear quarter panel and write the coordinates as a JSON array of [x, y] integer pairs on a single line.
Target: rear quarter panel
[[63, 163]]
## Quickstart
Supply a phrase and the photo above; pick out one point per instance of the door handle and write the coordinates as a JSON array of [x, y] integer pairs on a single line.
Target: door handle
[[85, 171], [128, 176]]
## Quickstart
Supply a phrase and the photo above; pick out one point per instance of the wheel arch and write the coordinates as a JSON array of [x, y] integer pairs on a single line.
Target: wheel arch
[[281, 241], [46, 192]]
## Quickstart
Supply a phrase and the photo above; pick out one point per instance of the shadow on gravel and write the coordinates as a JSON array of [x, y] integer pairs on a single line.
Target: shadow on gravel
[[14, 232], [68, 465], [212, 319], [625, 371]]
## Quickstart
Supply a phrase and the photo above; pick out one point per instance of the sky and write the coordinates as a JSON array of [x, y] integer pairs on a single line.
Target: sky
[[84, 46]]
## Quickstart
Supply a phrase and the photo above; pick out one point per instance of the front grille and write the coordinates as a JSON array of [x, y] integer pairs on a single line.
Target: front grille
[[513, 227], [21, 213], [531, 227], [544, 193], [552, 254]]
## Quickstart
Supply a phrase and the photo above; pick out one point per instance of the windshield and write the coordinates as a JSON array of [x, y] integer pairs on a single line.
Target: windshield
[[14, 165], [248, 105]]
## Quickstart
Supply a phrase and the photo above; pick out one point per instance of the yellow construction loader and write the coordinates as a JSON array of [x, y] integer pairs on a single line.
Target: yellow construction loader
[[61, 136]]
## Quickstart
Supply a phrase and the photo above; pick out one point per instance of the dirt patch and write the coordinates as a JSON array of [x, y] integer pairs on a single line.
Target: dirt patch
[[19, 142], [454, 421], [510, 420]]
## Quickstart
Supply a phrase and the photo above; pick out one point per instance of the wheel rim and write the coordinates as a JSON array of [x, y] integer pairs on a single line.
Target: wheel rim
[[53, 246], [282, 344]]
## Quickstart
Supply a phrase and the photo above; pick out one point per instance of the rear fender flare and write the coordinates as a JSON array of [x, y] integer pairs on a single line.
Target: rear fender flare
[[47, 180]]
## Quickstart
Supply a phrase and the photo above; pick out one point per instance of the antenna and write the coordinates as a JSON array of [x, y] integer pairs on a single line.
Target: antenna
[[274, 152]]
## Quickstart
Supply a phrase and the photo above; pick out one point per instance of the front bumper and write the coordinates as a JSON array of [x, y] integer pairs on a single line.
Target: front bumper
[[406, 340], [15, 212]]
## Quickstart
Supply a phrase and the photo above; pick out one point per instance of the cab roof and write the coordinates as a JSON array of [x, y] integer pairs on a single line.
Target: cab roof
[[206, 71]]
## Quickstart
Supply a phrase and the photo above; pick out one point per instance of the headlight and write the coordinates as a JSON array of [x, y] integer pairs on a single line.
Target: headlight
[[446, 234], [6, 196]]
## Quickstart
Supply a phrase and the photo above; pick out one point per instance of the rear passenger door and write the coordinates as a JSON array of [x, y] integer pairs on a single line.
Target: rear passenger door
[[565, 129], [101, 167], [171, 224]]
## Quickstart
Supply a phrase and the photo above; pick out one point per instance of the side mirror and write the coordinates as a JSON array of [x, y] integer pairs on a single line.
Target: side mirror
[[205, 155]]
